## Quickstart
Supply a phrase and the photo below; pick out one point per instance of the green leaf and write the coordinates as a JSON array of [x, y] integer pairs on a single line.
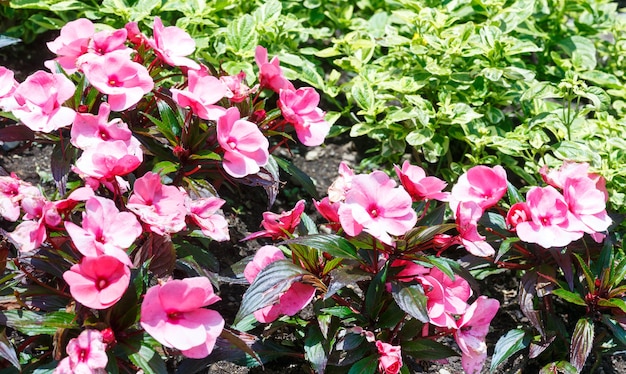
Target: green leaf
[[582, 343], [332, 244], [613, 303], [581, 50], [241, 34], [32, 323], [342, 277], [514, 341], [300, 177], [411, 299], [363, 94], [513, 194], [314, 351], [366, 365], [375, 292], [269, 284], [144, 356], [427, 349], [569, 296]]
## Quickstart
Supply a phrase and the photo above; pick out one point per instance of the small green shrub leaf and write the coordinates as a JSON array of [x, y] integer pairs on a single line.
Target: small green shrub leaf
[[411, 299], [508, 345]]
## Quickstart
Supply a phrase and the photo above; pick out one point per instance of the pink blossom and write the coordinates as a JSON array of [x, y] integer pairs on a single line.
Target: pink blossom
[[86, 355], [572, 170], [202, 93], [104, 42], [339, 187], [162, 207], [299, 108], [12, 191], [39, 99], [89, 129], [410, 270], [103, 161], [374, 204], [245, 148], [473, 327], [237, 86], [330, 211], [8, 84], [291, 301], [72, 43], [204, 213], [172, 313], [551, 223], [122, 80], [480, 184], [280, 225], [447, 297], [172, 44], [389, 358], [105, 230], [98, 282], [518, 213], [467, 215], [270, 73], [134, 35], [587, 203], [418, 185]]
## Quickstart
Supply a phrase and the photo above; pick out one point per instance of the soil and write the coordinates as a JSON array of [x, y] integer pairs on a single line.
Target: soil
[[31, 163]]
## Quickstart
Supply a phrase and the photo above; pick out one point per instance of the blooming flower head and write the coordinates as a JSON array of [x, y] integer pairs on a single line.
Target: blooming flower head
[[104, 230], [330, 211], [551, 223], [467, 215], [374, 204], [172, 313], [299, 108], [280, 225], [481, 184], [8, 84], [123, 81], [418, 185], [89, 129], [244, 145], [472, 328], [518, 213], [72, 43], [339, 187], [270, 73], [86, 354], [162, 207], [204, 213], [103, 161], [172, 44], [12, 191], [39, 99], [291, 301], [98, 282], [237, 86], [389, 358], [447, 297], [202, 92]]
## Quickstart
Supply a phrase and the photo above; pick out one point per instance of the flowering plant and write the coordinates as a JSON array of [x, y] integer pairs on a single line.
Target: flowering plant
[[144, 138], [383, 295]]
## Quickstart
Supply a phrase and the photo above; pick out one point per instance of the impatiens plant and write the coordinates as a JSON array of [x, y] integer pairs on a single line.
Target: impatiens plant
[[144, 137]]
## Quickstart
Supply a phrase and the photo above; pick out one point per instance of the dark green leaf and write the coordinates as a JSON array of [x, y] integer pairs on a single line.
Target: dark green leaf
[[613, 303], [299, 176], [144, 356], [375, 292], [411, 299], [32, 323], [508, 345], [569, 296], [427, 349], [314, 351], [367, 365], [342, 277], [332, 244]]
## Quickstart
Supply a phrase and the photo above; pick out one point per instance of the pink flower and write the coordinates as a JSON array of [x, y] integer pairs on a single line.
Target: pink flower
[[89, 129], [163, 208], [270, 73], [389, 359], [551, 223], [86, 355], [473, 327], [237, 86], [410, 270], [374, 204], [587, 203], [419, 186], [201, 95], [104, 42], [299, 108], [480, 184], [245, 148], [105, 230], [518, 213], [289, 303], [467, 215], [172, 44], [280, 225], [72, 43], [330, 211], [203, 212], [8, 84], [39, 99], [134, 35], [447, 297], [103, 161], [173, 314], [12, 191], [339, 187], [122, 80], [98, 282]]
